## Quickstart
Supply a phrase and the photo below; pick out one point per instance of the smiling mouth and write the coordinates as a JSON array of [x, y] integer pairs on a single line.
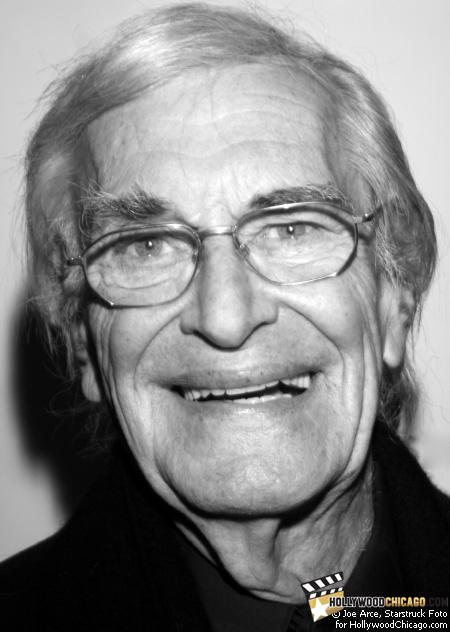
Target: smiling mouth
[[253, 394]]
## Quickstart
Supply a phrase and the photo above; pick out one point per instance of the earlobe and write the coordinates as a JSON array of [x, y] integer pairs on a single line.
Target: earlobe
[[90, 381], [397, 309], [394, 345], [90, 384]]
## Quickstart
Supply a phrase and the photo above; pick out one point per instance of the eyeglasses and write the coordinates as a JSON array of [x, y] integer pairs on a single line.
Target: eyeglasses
[[288, 244]]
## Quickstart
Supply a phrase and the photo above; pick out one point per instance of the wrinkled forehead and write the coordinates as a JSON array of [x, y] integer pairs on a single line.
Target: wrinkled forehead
[[207, 120]]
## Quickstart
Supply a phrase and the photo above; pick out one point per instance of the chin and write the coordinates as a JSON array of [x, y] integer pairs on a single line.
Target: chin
[[254, 490]]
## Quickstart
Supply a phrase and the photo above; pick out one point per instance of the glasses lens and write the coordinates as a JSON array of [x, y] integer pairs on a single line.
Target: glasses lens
[[299, 244], [145, 266]]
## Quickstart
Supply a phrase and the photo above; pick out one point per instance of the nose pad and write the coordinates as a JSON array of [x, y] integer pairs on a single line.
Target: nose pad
[[228, 301], [245, 250]]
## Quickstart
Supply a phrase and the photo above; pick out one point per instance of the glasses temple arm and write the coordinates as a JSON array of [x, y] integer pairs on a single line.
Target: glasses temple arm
[[367, 217]]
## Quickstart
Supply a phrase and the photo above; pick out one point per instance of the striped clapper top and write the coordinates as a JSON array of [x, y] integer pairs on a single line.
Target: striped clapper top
[[318, 593]]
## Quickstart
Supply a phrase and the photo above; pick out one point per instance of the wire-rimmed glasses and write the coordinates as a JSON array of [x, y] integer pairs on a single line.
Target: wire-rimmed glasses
[[287, 244]]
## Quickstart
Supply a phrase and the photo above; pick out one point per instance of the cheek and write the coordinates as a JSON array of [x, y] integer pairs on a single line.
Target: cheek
[[122, 337], [343, 309]]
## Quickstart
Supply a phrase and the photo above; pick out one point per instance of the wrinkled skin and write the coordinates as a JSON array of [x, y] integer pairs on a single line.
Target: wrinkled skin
[[207, 143]]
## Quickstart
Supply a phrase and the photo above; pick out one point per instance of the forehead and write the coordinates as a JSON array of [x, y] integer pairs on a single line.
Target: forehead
[[217, 134]]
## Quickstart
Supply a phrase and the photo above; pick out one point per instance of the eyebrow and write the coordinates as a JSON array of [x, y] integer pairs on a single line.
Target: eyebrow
[[308, 193], [99, 207]]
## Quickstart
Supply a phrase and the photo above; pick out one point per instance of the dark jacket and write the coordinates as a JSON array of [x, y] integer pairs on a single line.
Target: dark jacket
[[116, 565]]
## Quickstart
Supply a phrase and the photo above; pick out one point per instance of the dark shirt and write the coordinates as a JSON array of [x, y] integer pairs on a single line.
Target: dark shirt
[[231, 609]]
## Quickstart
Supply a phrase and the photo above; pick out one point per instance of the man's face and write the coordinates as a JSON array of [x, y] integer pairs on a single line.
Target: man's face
[[207, 144]]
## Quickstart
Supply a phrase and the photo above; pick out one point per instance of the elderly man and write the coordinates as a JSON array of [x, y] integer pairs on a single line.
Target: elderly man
[[225, 233]]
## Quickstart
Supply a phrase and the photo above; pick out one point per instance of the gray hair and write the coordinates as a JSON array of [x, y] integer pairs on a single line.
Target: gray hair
[[148, 51]]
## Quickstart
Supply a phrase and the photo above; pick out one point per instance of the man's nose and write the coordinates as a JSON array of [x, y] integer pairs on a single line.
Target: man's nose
[[228, 301]]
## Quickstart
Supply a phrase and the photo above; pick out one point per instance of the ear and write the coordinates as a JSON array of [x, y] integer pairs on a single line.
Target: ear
[[396, 311], [90, 378]]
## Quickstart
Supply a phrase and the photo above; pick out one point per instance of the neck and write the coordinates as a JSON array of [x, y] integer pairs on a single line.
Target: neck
[[270, 557]]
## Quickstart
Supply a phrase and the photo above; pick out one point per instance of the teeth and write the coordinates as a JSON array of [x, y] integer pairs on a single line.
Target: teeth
[[249, 389], [302, 381], [255, 400], [268, 398], [236, 391]]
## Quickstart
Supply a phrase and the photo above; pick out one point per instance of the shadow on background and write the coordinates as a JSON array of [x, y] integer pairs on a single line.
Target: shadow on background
[[51, 421]]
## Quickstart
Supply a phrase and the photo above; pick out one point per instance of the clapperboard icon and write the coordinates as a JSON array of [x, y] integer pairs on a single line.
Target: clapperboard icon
[[318, 593]]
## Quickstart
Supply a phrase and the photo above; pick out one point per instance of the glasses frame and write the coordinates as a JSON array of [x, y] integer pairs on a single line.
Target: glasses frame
[[200, 234]]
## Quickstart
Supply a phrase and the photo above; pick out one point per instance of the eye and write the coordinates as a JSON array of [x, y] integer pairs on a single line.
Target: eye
[[148, 247], [286, 231]]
